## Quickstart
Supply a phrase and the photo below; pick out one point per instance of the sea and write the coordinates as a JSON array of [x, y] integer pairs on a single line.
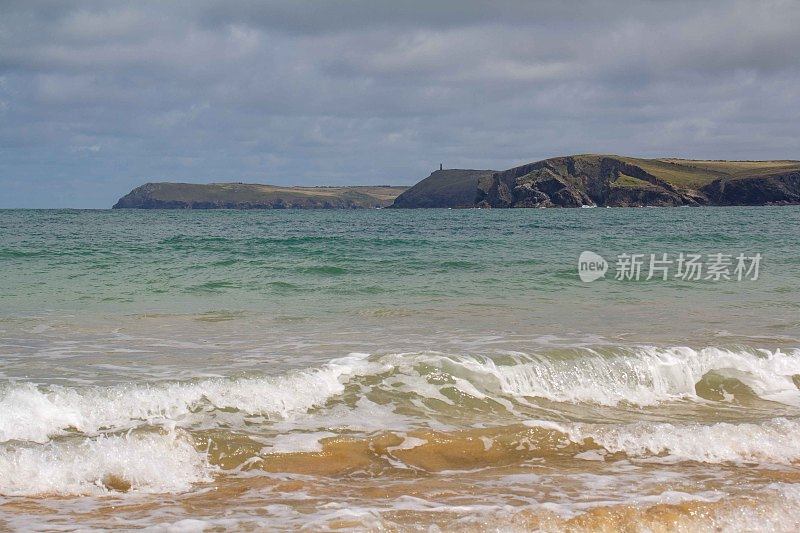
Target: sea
[[400, 370]]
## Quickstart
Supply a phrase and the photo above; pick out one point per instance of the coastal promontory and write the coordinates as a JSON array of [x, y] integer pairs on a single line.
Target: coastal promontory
[[588, 180], [165, 195], [615, 181]]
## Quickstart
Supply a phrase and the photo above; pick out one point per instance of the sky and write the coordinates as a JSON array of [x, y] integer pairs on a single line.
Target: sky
[[99, 97]]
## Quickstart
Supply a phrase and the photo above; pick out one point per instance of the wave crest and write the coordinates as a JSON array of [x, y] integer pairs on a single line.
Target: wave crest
[[152, 462], [644, 376], [772, 441], [426, 383], [35, 414]]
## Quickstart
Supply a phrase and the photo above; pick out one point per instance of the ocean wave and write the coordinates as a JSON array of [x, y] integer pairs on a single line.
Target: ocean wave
[[773, 509], [150, 463], [772, 441], [171, 461], [641, 376], [417, 450], [32, 413], [429, 384]]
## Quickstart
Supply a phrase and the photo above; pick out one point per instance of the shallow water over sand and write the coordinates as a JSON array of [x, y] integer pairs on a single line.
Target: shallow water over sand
[[395, 370]]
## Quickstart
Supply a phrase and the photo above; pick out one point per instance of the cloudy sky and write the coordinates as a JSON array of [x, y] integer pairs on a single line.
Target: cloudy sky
[[99, 97]]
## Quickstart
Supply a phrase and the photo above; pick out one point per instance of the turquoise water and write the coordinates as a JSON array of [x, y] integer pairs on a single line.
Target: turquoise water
[[480, 270], [276, 330], [324, 263]]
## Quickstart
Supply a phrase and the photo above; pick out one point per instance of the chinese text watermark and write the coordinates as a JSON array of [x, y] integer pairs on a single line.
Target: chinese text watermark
[[681, 266]]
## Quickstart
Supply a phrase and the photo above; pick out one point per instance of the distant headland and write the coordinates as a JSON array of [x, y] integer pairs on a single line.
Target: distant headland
[[255, 196], [570, 181]]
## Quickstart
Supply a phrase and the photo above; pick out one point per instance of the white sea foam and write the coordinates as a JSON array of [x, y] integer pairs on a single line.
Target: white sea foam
[[775, 509], [363, 416], [772, 441], [32, 413], [152, 462], [297, 442], [642, 376], [645, 376]]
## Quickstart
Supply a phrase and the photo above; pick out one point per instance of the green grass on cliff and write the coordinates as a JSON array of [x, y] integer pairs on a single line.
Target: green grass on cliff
[[693, 174], [247, 192], [629, 182]]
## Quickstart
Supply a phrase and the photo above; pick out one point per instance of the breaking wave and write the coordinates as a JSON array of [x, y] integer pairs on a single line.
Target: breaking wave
[[171, 461], [35, 414], [643, 376], [772, 441], [150, 463]]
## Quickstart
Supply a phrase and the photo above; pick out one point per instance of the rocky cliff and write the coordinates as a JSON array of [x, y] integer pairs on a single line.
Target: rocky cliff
[[607, 180], [446, 188], [569, 181]]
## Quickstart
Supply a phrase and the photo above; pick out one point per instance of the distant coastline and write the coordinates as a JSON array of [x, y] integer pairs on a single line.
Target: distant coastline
[[569, 181], [167, 195]]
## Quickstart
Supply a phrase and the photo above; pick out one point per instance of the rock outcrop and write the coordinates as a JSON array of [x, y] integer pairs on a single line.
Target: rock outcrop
[[446, 188], [606, 180], [576, 181], [776, 189]]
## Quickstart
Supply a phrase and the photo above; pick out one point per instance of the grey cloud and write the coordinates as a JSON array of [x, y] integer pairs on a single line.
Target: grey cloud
[[97, 97]]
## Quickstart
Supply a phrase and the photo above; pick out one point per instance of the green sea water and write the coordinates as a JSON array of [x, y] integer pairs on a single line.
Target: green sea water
[[394, 280], [446, 268], [270, 331]]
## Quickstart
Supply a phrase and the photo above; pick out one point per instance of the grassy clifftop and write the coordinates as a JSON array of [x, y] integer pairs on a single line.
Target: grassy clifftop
[[611, 180], [569, 181], [255, 196]]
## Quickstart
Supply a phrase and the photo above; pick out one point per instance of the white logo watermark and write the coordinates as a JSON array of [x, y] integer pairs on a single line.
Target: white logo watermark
[[682, 266], [591, 266]]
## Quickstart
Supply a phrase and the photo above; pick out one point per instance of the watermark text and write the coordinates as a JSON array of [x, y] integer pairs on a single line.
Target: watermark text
[[663, 266]]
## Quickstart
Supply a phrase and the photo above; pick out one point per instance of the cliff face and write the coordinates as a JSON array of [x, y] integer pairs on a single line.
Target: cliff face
[[782, 188], [253, 196], [571, 181], [581, 180], [446, 188], [597, 180]]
